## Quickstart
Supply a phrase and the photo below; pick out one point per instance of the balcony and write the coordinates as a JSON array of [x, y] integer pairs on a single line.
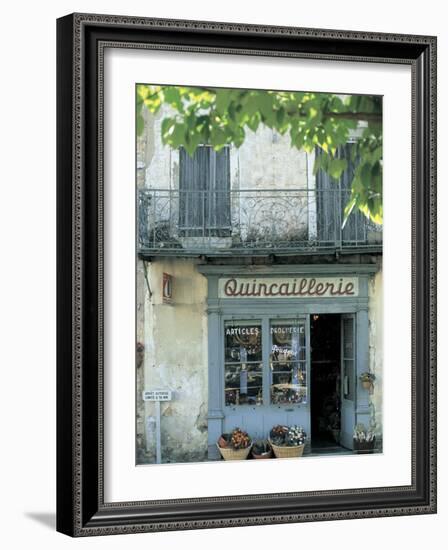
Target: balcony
[[250, 222]]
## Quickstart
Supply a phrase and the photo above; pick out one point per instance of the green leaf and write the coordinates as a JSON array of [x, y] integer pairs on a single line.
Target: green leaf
[[254, 122], [140, 124], [348, 209], [280, 114], [218, 137], [172, 96], [336, 167], [377, 154], [238, 138], [223, 98], [167, 125], [265, 105], [176, 138], [321, 163], [366, 173]]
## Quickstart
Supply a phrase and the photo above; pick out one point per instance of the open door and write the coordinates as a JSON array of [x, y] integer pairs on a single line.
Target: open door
[[348, 379]]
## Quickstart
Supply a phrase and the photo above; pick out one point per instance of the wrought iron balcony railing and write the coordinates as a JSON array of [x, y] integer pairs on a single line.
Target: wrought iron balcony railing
[[250, 221]]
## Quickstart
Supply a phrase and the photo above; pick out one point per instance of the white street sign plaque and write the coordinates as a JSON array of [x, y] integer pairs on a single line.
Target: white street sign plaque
[[157, 395]]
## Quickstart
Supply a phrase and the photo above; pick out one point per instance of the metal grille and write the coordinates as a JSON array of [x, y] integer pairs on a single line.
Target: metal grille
[[251, 221]]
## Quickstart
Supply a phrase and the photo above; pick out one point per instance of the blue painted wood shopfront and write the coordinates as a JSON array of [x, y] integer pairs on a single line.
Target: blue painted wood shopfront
[[271, 362]]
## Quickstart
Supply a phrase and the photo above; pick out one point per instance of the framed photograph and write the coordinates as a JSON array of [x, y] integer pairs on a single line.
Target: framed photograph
[[246, 274]]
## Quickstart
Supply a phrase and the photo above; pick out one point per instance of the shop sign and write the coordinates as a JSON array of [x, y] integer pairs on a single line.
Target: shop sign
[[289, 287]]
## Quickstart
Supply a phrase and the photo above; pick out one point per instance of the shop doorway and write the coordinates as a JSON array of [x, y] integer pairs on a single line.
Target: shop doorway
[[325, 381]]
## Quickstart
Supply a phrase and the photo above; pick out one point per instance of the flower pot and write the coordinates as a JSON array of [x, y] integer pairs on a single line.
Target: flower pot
[[367, 385], [268, 454], [294, 451], [234, 454]]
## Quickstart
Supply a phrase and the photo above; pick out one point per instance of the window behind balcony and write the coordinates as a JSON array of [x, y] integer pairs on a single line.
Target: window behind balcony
[[204, 192], [331, 198]]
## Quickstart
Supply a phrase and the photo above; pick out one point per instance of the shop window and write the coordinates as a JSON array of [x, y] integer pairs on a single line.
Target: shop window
[[286, 370], [204, 192], [243, 368], [287, 362]]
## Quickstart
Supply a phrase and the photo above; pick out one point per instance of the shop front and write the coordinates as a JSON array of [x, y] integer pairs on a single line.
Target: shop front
[[286, 345]]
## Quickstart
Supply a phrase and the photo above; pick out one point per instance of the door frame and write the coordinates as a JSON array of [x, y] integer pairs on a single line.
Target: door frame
[[346, 440], [340, 315]]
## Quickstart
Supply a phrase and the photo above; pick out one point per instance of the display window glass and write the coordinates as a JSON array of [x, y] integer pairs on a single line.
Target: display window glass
[[287, 362], [265, 368], [243, 368]]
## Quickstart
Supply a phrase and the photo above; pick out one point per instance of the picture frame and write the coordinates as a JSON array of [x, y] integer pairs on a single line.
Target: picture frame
[[81, 506]]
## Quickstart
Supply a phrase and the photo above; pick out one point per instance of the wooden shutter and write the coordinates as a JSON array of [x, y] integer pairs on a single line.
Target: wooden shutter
[[327, 218], [355, 227], [193, 182], [204, 192], [332, 196], [219, 193]]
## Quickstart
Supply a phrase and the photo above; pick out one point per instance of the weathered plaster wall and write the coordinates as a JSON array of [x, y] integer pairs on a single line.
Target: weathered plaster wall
[[265, 160], [141, 298], [376, 347], [176, 358], [144, 148], [161, 162]]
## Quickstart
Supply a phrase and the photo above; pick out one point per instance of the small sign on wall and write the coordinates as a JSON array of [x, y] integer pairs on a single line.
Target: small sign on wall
[[157, 395], [167, 288]]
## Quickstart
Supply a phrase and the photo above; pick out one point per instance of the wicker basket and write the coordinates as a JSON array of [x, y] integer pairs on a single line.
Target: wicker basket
[[234, 454], [287, 452], [364, 447]]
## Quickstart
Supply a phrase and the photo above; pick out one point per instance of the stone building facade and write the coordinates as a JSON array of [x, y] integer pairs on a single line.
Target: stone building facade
[[277, 227]]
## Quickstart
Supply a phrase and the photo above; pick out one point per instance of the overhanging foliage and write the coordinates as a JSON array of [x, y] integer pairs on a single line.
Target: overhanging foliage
[[221, 116]]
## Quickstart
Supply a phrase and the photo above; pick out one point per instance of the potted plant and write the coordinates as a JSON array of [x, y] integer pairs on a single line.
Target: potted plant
[[235, 446], [367, 380], [261, 449], [363, 439], [287, 441]]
